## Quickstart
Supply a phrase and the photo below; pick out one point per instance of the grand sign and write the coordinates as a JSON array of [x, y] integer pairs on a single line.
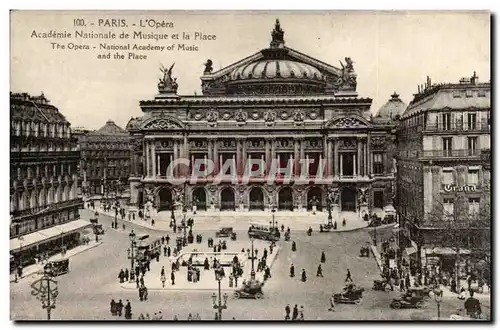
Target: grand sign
[[453, 188]]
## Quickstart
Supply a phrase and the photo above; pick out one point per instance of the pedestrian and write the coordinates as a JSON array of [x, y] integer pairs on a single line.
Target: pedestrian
[[402, 284], [323, 257], [172, 277], [162, 273], [145, 293], [141, 281], [287, 311], [294, 246], [348, 276], [128, 311], [165, 251], [230, 281], [295, 312], [123, 226], [304, 277], [126, 274], [190, 317], [141, 293], [119, 307], [292, 271], [167, 239], [176, 318], [137, 281], [319, 273], [332, 304], [153, 222], [301, 313], [113, 307], [121, 275]]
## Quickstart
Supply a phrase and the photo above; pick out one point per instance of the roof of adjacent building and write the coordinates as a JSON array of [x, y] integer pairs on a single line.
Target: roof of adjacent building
[[392, 108], [110, 128], [23, 106], [465, 95]]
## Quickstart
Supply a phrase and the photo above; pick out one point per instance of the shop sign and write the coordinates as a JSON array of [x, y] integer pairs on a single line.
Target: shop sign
[[454, 188]]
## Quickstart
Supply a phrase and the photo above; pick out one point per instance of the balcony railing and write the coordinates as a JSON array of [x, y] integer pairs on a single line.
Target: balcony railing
[[459, 126], [47, 154], [47, 208], [451, 153]]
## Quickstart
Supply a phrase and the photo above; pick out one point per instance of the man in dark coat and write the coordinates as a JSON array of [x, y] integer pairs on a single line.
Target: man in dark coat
[[323, 257], [287, 312], [168, 251], [172, 277], [167, 239], [121, 275], [295, 313], [128, 311], [294, 246], [319, 273], [126, 274], [348, 276], [165, 251], [292, 271], [119, 307], [304, 277], [137, 281]]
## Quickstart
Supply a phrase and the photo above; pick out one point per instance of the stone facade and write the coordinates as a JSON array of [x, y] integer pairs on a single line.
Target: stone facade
[[292, 108], [105, 160], [442, 178]]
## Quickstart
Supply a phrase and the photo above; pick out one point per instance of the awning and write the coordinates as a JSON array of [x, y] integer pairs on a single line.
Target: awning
[[47, 234], [445, 251]]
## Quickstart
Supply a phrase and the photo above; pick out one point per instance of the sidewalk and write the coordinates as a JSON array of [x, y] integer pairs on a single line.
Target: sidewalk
[[35, 268], [239, 221], [207, 279]]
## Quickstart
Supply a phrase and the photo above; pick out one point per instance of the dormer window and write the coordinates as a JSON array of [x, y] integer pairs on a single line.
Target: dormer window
[[468, 93], [481, 93], [456, 93]]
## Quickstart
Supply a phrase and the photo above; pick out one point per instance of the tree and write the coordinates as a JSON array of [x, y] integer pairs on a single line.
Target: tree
[[457, 226]]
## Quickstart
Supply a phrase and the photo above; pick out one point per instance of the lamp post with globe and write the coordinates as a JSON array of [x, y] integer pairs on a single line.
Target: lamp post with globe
[[438, 297], [217, 303], [131, 254]]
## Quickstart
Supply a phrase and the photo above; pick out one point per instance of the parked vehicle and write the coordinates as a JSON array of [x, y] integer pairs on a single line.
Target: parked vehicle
[[264, 232], [412, 298], [224, 232], [57, 267]]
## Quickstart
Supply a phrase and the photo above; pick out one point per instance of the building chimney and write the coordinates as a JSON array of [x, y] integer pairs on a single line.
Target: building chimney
[[474, 79]]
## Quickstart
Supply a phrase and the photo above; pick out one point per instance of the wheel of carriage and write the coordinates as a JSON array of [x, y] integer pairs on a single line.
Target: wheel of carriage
[[236, 295], [419, 305], [396, 305], [357, 301], [259, 295]]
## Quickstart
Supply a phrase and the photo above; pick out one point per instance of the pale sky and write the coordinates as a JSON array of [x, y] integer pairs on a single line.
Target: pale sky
[[392, 51]]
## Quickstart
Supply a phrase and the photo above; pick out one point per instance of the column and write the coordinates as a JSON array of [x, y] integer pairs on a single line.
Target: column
[[341, 159], [302, 150], [354, 167], [337, 168], [153, 158], [210, 151], [192, 163], [296, 155], [368, 157], [359, 157], [216, 156], [158, 163], [148, 161], [331, 159], [238, 156], [365, 158], [325, 156], [205, 166], [307, 166], [185, 155], [244, 156], [267, 155], [176, 156], [273, 152], [170, 173]]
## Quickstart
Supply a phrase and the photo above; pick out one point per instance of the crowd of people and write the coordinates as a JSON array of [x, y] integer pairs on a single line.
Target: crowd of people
[[116, 309]]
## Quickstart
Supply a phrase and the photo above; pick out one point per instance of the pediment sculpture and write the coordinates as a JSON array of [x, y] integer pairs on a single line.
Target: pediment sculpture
[[378, 142], [363, 196], [348, 122], [163, 123]]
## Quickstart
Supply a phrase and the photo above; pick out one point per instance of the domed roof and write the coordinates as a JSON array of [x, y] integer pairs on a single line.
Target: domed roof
[[392, 108], [276, 68]]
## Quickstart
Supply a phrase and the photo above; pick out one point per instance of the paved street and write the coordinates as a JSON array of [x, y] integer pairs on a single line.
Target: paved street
[[85, 293]]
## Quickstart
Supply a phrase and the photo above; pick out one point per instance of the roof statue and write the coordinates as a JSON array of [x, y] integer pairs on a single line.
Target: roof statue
[[278, 36], [348, 77], [208, 67], [167, 84]]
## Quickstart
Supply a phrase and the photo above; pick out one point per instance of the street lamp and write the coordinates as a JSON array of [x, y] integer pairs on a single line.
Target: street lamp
[[252, 272], [131, 255], [45, 290], [438, 297], [218, 305], [184, 212], [273, 211]]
